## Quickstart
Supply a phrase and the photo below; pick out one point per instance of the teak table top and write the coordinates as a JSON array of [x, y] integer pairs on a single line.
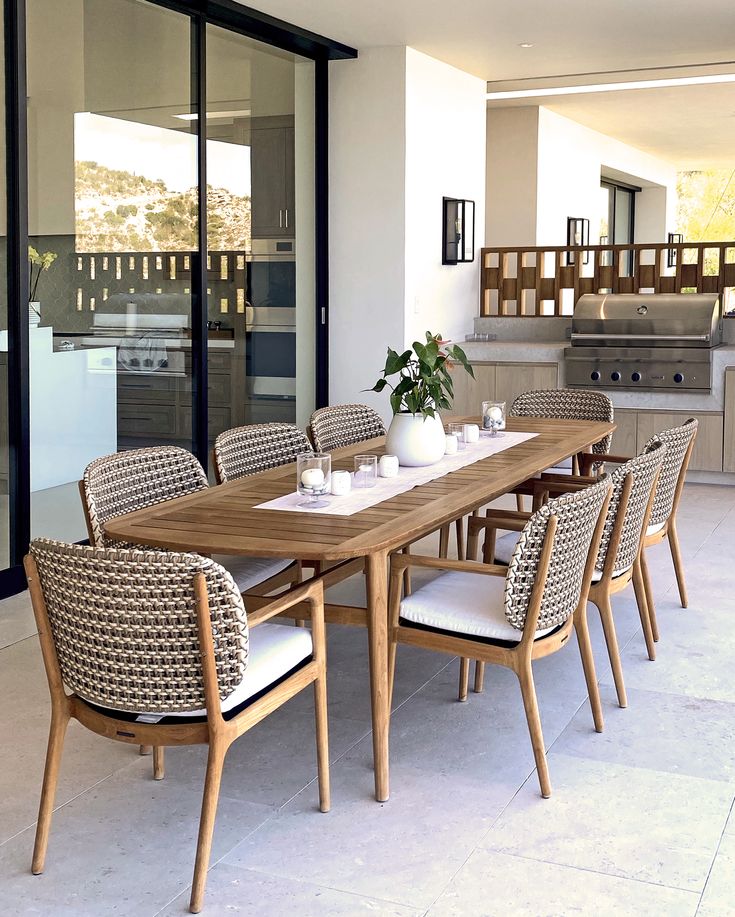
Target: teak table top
[[223, 519]]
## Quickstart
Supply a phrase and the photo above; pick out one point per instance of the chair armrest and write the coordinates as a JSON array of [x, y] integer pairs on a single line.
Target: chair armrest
[[580, 479], [399, 562], [507, 520], [591, 459], [311, 592]]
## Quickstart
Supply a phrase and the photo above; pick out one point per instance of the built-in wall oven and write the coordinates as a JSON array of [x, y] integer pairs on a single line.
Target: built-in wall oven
[[271, 322]]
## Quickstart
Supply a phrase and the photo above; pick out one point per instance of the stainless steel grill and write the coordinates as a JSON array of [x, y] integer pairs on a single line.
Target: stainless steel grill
[[649, 341]]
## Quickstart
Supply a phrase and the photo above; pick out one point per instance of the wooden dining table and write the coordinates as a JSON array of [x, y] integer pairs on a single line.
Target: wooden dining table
[[225, 520]]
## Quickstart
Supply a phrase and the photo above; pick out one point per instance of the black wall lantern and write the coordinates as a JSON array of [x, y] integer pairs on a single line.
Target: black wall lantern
[[674, 238], [578, 233], [458, 230]]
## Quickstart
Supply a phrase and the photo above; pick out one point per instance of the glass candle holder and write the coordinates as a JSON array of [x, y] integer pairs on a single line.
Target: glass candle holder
[[366, 470], [458, 430], [493, 417], [313, 471]]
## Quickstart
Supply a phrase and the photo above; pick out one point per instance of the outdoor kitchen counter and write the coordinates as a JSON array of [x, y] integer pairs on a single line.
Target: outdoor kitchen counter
[[553, 352]]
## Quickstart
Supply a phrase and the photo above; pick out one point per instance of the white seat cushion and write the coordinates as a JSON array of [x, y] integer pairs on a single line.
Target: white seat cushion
[[250, 571], [652, 529], [505, 545], [273, 650], [464, 603]]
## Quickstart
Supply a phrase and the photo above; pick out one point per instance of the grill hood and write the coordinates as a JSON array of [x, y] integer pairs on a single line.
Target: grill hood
[[647, 320]]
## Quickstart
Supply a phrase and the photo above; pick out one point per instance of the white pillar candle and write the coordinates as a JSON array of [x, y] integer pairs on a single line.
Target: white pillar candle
[[388, 466], [451, 444], [312, 477], [341, 483], [472, 433], [495, 413]]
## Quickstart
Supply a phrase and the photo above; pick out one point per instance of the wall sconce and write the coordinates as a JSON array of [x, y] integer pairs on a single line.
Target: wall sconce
[[578, 233], [674, 238], [458, 230]]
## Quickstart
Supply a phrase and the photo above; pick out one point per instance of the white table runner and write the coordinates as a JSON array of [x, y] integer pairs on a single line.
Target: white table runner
[[360, 498]]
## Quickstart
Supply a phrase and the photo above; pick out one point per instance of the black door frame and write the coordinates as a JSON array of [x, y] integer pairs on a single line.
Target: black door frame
[[201, 13]]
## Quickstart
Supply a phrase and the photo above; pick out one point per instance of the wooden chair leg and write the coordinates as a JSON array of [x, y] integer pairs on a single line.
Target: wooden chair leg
[[159, 769], [530, 704], [640, 597], [459, 527], [673, 537], [649, 596], [444, 541], [57, 733], [519, 502], [473, 539], [322, 741], [464, 678], [588, 665], [145, 749], [215, 763], [392, 651], [613, 651], [407, 573], [479, 676]]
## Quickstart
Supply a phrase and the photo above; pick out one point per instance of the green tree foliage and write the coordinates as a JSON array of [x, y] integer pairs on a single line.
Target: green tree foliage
[[707, 205]]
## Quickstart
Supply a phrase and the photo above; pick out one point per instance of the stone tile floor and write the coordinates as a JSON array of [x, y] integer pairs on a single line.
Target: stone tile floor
[[640, 823]]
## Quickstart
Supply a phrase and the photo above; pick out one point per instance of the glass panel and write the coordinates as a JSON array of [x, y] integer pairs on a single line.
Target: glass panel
[[260, 223], [4, 429], [112, 196]]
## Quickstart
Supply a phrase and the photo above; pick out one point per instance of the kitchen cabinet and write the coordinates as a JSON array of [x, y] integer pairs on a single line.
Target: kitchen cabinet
[[625, 437], [728, 450], [707, 452], [469, 393], [512, 379], [272, 198]]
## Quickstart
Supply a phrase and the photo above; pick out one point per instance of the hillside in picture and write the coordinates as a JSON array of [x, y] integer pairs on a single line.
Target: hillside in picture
[[118, 211]]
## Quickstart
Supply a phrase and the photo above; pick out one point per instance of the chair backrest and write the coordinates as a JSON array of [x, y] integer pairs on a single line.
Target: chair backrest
[[125, 481], [344, 425], [673, 469], [577, 516], [567, 404], [124, 625], [625, 518], [257, 447]]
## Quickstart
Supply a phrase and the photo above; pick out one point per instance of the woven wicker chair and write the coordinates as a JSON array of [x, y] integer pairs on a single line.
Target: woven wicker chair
[[619, 557], [512, 615], [155, 648], [344, 425], [258, 447], [125, 481]]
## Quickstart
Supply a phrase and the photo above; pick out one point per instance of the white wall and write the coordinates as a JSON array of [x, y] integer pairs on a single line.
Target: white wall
[[512, 147], [405, 130], [571, 158], [543, 168], [445, 157]]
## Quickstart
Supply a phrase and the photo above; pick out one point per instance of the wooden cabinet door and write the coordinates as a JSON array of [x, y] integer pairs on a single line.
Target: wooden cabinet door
[[512, 379], [625, 437], [707, 453], [469, 393], [268, 176], [728, 451]]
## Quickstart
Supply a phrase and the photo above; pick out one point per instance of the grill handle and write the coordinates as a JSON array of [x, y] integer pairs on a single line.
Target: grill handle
[[606, 335]]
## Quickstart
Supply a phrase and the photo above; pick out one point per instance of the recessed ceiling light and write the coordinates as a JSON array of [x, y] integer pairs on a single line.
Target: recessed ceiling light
[[612, 87], [526, 44]]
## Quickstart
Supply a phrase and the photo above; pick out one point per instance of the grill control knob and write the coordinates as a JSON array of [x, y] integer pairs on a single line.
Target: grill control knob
[[678, 378], [636, 377], [615, 376], [595, 376]]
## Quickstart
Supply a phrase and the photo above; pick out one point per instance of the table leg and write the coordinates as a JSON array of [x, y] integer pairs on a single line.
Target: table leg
[[377, 621]]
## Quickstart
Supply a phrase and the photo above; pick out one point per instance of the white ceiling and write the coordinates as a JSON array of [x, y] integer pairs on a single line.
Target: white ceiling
[[692, 126]]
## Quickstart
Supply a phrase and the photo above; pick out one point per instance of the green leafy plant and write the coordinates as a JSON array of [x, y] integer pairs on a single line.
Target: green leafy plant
[[37, 264], [424, 383]]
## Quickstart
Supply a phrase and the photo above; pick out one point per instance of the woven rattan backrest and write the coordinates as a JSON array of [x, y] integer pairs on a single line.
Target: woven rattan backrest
[[567, 404], [343, 425], [247, 450], [125, 481], [677, 442], [577, 515], [643, 469], [125, 628]]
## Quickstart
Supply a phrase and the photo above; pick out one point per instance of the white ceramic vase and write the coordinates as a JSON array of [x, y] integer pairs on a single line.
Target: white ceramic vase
[[415, 439]]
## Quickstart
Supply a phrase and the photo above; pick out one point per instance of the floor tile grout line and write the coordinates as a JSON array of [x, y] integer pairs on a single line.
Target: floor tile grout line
[[714, 858]]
